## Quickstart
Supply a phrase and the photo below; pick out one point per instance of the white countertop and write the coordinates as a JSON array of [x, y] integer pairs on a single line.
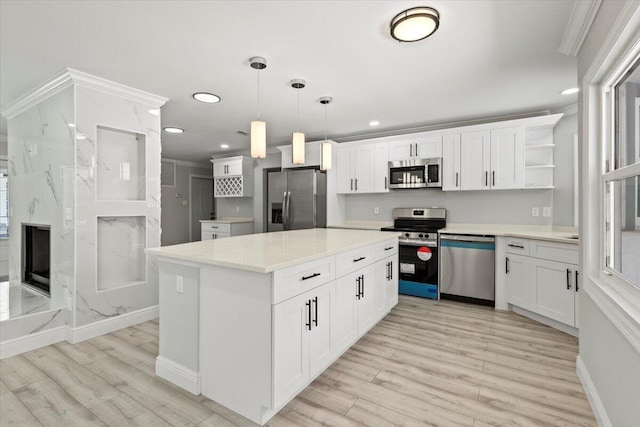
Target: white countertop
[[267, 252], [362, 225], [540, 232], [231, 220]]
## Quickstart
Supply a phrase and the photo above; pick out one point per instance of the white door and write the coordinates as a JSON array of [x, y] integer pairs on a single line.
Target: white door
[[427, 147], [365, 173], [320, 345], [202, 204], [367, 302], [507, 158], [401, 150], [290, 346], [344, 170], [518, 281], [345, 317], [554, 295], [381, 168], [451, 162], [475, 157]]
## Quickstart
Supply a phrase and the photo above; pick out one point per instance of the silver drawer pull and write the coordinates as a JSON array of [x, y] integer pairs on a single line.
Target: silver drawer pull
[[310, 277], [515, 246]]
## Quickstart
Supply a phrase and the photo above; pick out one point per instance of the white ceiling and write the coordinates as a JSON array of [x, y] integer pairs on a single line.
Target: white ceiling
[[488, 58]]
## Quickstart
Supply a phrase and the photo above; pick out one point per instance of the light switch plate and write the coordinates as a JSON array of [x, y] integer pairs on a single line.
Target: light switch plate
[[546, 211], [180, 284], [376, 211], [535, 211]]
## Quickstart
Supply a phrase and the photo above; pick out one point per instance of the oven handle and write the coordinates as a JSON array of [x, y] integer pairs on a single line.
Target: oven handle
[[428, 244]]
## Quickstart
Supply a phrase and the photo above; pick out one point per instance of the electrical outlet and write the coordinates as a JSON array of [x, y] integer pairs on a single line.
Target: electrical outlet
[[535, 211], [376, 211], [180, 284], [546, 211], [185, 203]]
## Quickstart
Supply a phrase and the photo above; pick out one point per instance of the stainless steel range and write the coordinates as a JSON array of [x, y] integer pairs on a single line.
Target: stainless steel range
[[418, 250]]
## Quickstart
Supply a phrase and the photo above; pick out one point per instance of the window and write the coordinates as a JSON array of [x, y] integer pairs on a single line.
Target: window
[[4, 200], [621, 176]]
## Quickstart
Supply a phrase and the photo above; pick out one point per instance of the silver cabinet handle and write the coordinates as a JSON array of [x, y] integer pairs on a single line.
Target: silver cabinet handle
[[486, 178], [456, 179], [411, 150], [356, 184], [351, 184], [385, 182], [493, 178]]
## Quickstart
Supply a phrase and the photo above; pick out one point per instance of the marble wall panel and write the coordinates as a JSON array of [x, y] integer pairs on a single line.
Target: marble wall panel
[[40, 154], [120, 165], [99, 109], [121, 244]]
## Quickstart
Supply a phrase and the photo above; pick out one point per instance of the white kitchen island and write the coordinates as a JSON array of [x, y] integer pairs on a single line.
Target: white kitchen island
[[250, 321]]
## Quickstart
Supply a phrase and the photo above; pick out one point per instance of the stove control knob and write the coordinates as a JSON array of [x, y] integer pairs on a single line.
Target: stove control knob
[[421, 235], [406, 234]]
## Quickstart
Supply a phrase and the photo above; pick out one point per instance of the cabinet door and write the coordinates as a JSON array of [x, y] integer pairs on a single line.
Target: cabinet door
[[387, 276], [290, 346], [320, 345], [234, 167], [367, 302], [576, 287], [518, 280], [401, 150], [345, 317], [381, 168], [344, 170], [364, 168], [507, 158], [219, 169], [428, 146], [475, 157], [554, 296], [451, 163]]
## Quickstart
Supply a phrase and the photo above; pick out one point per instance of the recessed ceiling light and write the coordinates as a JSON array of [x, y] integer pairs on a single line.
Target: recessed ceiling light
[[224, 145], [570, 91], [374, 123], [154, 111], [206, 97], [173, 130]]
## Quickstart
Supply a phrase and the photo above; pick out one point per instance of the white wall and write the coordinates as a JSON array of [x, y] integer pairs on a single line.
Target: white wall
[[612, 364], [175, 220], [563, 135]]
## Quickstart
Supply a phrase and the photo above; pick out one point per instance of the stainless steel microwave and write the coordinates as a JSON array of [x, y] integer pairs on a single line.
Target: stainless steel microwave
[[415, 173]]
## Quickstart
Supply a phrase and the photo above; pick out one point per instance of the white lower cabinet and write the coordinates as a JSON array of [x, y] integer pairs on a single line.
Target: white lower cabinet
[[302, 339], [387, 276], [545, 281]]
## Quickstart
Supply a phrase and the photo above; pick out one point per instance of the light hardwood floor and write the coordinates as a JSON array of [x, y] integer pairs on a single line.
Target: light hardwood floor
[[426, 363]]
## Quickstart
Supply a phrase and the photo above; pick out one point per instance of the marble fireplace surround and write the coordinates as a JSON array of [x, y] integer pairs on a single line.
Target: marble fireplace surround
[[84, 157]]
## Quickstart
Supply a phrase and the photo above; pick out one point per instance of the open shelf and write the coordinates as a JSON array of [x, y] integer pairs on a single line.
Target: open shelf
[[120, 165]]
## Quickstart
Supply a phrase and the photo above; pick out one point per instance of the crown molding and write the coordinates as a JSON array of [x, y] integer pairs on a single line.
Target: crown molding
[[582, 16], [567, 110], [70, 77]]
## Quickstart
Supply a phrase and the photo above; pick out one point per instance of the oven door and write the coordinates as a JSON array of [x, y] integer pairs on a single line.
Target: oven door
[[419, 269]]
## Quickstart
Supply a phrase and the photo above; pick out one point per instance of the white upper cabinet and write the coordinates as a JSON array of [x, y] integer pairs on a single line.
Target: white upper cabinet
[[451, 162], [233, 176], [475, 158], [507, 158], [424, 147], [355, 169], [381, 168]]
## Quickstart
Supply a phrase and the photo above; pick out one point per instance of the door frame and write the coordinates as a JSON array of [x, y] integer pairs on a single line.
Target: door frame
[[191, 176]]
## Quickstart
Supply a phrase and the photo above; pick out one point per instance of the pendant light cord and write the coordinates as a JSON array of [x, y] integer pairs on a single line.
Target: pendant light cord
[[258, 94], [298, 121], [325, 122]]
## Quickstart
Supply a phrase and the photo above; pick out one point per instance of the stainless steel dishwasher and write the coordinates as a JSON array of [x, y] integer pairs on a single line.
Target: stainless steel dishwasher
[[467, 268]]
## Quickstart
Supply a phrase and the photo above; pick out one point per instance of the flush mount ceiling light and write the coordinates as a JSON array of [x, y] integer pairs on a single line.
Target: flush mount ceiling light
[[297, 139], [224, 145], [570, 91], [374, 123], [170, 129], [415, 24], [325, 157], [258, 127], [208, 98]]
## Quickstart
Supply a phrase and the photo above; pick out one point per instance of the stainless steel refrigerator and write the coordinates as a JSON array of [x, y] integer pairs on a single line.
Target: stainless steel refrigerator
[[296, 199]]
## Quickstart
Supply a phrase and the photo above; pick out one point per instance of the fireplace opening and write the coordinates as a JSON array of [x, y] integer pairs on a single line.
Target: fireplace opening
[[37, 257]]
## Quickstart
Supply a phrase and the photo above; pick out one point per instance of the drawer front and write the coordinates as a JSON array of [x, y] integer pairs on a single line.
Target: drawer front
[[355, 259], [553, 251], [515, 245], [212, 235], [295, 280], [385, 249], [216, 227]]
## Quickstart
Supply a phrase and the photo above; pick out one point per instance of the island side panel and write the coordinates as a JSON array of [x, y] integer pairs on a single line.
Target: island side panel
[[179, 316], [236, 340]]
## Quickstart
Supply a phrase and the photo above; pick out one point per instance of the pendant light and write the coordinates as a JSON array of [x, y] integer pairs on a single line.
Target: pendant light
[[258, 127], [325, 155], [297, 140]]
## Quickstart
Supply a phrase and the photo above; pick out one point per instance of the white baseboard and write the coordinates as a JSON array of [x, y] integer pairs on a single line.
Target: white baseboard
[[178, 375], [61, 333], [32, 341], [113, 324], [545, 320], [592, 394]]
